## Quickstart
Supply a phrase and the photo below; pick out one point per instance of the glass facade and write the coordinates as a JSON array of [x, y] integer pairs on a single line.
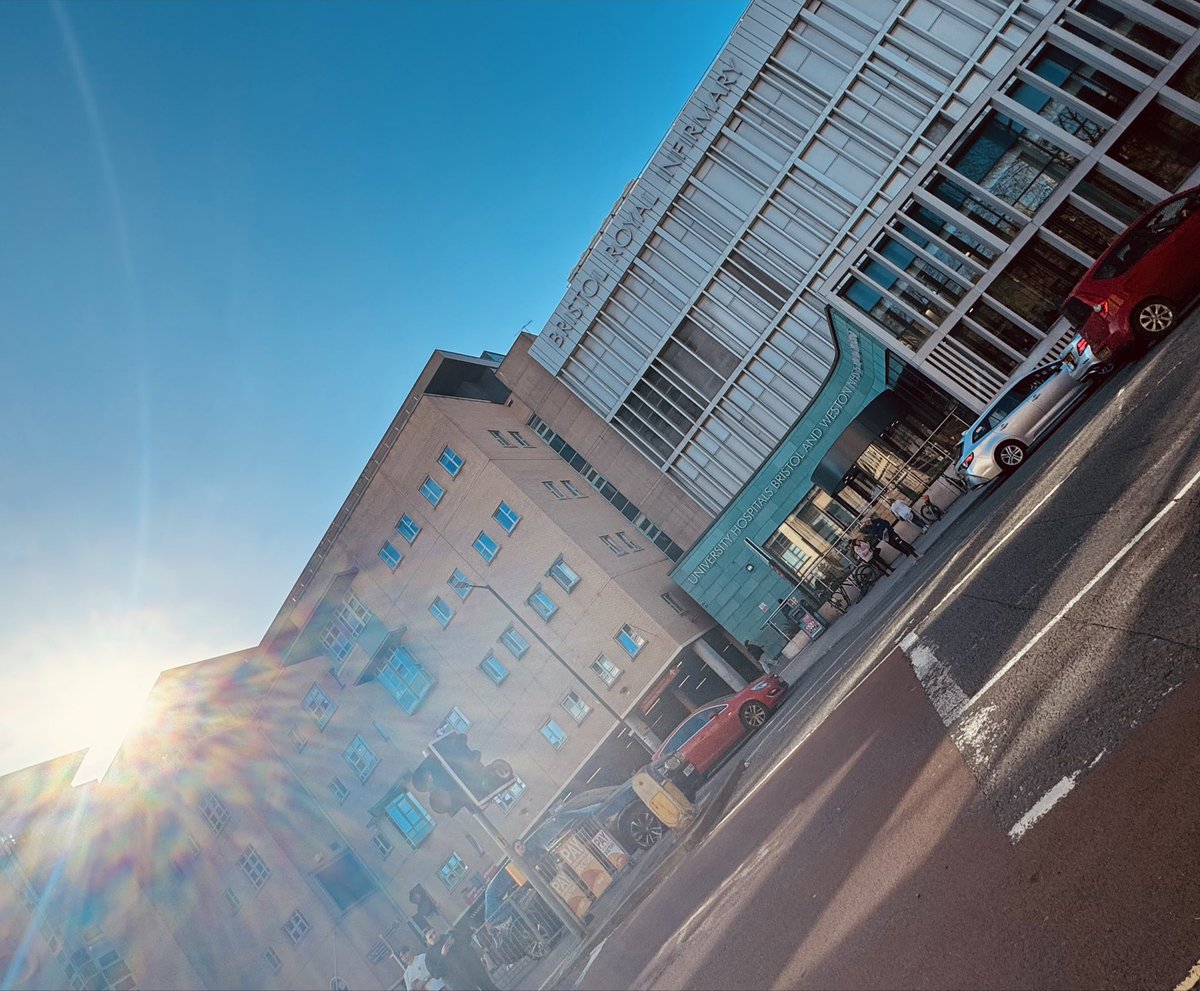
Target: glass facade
[[968, 273]]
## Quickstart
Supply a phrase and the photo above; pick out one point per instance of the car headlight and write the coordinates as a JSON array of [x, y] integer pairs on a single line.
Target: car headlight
[[759, 687]]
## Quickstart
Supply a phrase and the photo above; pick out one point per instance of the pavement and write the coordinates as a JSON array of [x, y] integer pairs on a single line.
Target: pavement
[[821, 676]]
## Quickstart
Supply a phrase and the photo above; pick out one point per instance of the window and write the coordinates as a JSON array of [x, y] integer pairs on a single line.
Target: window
[[563, 574], [235, 903], [554, 734], [405, 679], [341, 632], [612, 545], [214, 812], [486, 546], [577, 708], [633, 545], [253, 867], [460, 583], [493, 668], [670, 601], [553, 490], [319, 705], [272, 959], [450, 461], [514, 642], [410, 818], [353, 615], [390, 555], [542, 604], [500, 438], [506, 517], [382, 844], [407, 528], [441, 612], [631, 641], [452, 871], [690, 727], [296, 927], [511, 795], [571, 488], [605, 670], [361, 757], [519, 439], [339, 642], [455, 722], [340, 790], [432, 491]]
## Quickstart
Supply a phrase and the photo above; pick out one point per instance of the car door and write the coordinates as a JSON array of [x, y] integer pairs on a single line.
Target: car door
[[703, 748], [1022, 411], [1179, 256], [1054, 391]]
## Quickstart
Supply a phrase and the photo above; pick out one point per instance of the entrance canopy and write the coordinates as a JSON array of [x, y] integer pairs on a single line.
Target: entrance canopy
[[880, 414]]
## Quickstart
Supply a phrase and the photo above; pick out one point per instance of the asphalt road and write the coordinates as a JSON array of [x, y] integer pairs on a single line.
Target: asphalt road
[[1029, 818]]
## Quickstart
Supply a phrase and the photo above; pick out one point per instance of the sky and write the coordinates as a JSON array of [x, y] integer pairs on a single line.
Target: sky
[[232, 234]]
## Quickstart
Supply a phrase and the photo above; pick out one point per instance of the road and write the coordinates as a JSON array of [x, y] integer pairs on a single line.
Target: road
[[1008, 797]]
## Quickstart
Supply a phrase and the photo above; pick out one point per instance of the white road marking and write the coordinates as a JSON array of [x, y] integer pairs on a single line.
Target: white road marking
[[944, 692], [1192, 979], [1112, 563], [1042, 806], [591, 959]]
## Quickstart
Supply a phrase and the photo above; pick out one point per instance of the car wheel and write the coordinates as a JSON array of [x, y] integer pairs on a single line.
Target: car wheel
[[640, 827], [1010, 455], [753, 715], [1153, 319]]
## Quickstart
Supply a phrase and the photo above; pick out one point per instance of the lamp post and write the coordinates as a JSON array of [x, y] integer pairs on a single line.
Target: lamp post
[[462, 583]]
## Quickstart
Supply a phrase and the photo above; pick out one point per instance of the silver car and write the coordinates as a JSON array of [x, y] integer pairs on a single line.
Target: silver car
[[999, 440]]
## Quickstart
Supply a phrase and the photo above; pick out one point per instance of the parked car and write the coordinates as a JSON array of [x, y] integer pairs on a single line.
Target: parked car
[[516, 918], [620, 811], [999, 440], [697, 745], [1136, 291]]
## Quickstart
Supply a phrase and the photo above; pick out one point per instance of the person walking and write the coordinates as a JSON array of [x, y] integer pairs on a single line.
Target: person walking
[[883, 532], [904, 511], [870, 555]]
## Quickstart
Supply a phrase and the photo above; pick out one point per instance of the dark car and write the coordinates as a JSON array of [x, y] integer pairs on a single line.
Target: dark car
[[697, 745], [1136, 291], [516, 915]]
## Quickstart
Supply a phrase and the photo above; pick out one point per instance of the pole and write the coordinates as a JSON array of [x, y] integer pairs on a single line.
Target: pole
[[565, 915], [563, 663]]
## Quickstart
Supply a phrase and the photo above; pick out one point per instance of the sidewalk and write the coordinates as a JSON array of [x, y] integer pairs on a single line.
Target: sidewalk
[[562, 967], [869, 607]]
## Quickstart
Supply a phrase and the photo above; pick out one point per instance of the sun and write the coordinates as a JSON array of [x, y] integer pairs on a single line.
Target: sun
[[76, 702]]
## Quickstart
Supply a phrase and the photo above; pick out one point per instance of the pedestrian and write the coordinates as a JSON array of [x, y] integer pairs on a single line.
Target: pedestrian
[[416, 973], [904, 512], [883, 532], [460, 968], [870, 555]]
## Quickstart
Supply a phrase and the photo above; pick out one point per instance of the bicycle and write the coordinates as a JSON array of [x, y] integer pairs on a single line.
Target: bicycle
[[930, 511]]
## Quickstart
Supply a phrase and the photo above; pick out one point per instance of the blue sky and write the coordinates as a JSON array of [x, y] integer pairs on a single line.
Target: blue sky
[[233, 233]]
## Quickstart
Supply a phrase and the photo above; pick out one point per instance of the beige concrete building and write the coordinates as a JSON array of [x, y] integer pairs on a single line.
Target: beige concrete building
[[262, 828]]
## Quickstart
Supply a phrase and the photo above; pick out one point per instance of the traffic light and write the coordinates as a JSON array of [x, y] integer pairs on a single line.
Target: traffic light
[[445, 794], [478, 782]]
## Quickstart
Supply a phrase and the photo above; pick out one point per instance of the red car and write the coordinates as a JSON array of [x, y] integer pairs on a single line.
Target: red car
[[1138, 288], [698, 744]]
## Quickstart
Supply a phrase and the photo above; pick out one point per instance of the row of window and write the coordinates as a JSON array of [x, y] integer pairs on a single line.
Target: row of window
[[409, 529], [606, 489], [295, 929], [499, 438]]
